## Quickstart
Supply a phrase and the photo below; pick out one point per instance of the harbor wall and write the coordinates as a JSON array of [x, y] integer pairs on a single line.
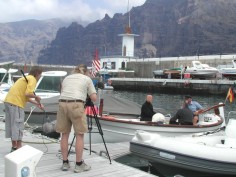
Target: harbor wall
[[144, 68], [177, 86]]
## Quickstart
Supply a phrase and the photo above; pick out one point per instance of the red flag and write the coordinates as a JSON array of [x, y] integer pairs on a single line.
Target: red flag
[[25, 68], [230, 95]]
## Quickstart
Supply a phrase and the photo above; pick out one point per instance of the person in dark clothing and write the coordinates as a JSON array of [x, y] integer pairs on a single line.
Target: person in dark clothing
[[184, 116], [147, 109]]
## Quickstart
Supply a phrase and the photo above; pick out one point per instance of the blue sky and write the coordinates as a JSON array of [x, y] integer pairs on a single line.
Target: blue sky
[[86, 10]]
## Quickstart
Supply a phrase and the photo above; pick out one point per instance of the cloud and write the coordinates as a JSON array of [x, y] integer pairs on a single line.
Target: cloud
[[123, 4], [86, 10]]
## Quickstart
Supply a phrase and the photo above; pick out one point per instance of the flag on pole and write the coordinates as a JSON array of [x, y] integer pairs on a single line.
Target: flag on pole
[[95, 64], [230, 95], [25, 68]]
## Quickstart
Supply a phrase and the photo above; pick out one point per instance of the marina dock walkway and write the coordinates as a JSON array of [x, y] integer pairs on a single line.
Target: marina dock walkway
[[50, 163]]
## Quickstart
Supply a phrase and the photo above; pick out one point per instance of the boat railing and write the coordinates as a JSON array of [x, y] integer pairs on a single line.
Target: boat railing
[[4, 83], [231, 115], [43, 90]]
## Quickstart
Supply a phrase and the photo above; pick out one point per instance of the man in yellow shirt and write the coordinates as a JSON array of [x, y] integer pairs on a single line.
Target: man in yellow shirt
[[19, 94]]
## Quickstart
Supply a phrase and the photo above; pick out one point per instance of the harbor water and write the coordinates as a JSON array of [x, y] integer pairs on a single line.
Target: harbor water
[[170, 103]]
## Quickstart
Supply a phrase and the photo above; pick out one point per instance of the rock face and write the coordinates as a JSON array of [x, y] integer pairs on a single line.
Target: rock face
[[166, 28], [21, 41]]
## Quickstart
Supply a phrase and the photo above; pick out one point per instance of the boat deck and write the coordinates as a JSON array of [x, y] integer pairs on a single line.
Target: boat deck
[[50, 163]]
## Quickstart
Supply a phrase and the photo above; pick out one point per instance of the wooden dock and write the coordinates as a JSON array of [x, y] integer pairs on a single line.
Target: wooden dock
[[50, 163]]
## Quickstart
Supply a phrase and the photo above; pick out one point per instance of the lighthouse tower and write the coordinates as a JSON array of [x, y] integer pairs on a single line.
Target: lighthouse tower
[[128, 43], [128, 40]]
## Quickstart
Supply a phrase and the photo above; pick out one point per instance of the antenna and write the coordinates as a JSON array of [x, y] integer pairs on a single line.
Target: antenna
[[128, 10], [128, 28]]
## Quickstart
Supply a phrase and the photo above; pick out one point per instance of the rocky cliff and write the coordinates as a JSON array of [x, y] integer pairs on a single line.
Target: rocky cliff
[[166, 28], [21, 41]]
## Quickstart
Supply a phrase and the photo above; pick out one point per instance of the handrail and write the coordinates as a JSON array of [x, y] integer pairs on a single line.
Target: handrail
[[213, 107]]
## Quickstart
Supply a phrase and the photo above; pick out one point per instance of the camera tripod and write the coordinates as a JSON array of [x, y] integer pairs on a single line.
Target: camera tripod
[[90, 127]]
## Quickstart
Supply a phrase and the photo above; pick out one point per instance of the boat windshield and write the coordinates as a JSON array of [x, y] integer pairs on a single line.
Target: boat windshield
[[50, 83]]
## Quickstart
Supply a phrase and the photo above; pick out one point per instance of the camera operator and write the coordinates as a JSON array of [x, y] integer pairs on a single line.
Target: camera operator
[[71, 111]]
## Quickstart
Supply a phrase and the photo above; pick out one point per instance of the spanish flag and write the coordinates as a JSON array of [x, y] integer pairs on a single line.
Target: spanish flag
[[230, 95]]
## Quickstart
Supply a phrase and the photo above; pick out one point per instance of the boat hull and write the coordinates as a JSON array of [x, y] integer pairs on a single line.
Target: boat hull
[[209, 153], [229, 73], [122, 127], [182, 162], [202, 73]]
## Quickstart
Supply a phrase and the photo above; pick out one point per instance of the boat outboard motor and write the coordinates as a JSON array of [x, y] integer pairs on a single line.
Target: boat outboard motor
[[230, 132]]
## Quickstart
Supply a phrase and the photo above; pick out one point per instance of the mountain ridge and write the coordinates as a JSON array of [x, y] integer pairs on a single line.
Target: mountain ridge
[[166, 28]]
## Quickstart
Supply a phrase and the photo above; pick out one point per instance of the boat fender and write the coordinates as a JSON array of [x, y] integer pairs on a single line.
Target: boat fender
[[49, 127], [159, 118]]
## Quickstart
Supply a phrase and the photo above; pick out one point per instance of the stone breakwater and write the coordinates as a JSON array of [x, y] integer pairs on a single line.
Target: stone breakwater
[[180, 86]]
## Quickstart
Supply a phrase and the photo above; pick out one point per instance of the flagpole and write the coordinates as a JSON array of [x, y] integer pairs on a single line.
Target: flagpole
[[225, 99]]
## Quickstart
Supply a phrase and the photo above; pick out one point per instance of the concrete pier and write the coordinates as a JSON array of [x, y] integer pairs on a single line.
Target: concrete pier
[[181, 86]]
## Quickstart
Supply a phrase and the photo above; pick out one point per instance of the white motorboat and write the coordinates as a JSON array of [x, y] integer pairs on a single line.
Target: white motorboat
[[121, 128], [108, 87], [6, 78], [199, 70], [48, 88], [211, 152], [159, 74], [119, 122], [48, 85], [174, 73], [229, 73]]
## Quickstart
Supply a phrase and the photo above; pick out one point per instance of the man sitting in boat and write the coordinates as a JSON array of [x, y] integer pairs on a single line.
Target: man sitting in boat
[[183, 116], [195, 107], [147, 109]]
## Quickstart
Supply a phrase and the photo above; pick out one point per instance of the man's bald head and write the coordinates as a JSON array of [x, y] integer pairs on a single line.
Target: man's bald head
[[149, 98]]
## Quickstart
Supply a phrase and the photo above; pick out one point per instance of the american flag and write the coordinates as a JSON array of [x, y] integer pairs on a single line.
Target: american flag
[[95, 64]]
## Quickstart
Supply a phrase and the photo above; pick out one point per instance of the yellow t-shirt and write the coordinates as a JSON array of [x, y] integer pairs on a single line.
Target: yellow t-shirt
[[16, 94]]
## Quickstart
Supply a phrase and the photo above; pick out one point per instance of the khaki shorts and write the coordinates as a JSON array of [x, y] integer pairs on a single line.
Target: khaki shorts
[[71, 113], [14, 122]]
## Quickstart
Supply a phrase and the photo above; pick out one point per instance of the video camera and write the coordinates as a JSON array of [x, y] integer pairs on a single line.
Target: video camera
[[88, 102], [100, 85]]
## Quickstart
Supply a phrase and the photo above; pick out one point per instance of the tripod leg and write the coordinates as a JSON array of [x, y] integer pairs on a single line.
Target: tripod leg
[[100, 130], [90, 124], [71, 146]]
